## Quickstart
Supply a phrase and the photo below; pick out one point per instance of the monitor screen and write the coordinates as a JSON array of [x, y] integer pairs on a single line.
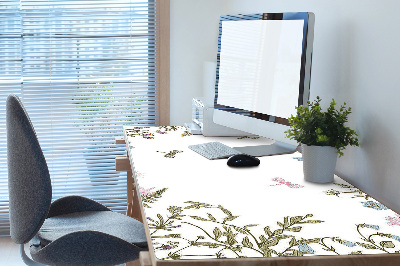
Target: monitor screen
[[260, 63], [263, 71]]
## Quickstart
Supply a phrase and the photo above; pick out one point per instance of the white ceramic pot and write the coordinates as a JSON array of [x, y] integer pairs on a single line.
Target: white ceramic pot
[[319, 163]]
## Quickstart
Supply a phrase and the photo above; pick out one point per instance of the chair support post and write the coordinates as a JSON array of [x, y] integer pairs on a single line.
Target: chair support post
[[26, 259]]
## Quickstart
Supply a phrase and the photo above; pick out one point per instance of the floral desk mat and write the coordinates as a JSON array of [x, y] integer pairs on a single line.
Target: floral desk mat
[[203, 209]]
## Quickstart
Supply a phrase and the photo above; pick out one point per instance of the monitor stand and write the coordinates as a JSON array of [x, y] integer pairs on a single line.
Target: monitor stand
[[276, 148]]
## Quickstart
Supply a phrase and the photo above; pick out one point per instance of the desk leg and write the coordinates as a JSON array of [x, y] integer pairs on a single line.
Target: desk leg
[[129, 193], [122, 164], [133, 263], [134, 212], [133, 198], [144, 260]]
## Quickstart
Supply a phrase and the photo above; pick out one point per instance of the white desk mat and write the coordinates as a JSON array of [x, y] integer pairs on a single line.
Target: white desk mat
[[203, 209]]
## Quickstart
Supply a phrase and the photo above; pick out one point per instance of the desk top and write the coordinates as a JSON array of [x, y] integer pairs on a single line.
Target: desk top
[[203, 209]]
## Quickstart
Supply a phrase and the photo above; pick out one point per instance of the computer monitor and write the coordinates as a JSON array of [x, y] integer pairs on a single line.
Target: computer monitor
[[263, 73]]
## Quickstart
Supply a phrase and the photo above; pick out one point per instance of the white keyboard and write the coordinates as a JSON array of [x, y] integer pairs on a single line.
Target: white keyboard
[[214, 150]]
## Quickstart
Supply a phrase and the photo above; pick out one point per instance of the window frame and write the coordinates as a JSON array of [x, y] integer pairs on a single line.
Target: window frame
[[163, 15]]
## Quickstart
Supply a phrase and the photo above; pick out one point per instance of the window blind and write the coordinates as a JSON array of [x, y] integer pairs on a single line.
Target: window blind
[[83, 69]]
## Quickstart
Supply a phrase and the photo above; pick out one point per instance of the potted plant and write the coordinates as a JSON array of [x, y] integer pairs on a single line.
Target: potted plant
[[323, 135]]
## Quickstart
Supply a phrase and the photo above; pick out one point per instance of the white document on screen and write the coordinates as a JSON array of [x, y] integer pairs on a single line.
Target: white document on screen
[[260, 65]]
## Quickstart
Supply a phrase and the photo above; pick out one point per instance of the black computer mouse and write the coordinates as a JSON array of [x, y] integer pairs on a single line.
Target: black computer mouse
[[240, 160]]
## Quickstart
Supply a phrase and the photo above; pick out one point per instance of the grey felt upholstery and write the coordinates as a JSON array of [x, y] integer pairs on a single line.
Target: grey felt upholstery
[[108, 222], [86, 248], [28, 176], [72, 204], [70, 231]]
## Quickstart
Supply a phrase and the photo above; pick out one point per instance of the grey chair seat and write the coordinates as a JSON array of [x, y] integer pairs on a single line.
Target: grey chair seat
[[107, 222]]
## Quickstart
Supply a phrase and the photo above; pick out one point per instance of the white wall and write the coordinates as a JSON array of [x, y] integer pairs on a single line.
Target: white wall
[[194, 40], [356, 60]]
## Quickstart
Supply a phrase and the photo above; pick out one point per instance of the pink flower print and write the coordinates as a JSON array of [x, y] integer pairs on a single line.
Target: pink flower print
[[279, 180], [144, 191], [139, 174], [393, 220], [282, 181]]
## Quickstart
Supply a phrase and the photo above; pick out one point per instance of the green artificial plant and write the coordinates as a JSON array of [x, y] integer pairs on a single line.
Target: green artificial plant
[[313, 127]]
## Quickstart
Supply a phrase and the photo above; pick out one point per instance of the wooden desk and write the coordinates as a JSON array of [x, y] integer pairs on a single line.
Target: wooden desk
[[202, 212]]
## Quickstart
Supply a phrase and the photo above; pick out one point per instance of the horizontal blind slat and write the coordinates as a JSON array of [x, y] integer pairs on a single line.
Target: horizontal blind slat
[[83, 70]]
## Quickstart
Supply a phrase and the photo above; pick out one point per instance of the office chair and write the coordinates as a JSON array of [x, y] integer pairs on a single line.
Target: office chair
[[70, 231]]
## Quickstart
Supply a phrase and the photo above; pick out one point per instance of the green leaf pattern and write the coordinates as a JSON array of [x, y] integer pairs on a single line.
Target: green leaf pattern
[[218, 235], [347, 190], [150, 133]]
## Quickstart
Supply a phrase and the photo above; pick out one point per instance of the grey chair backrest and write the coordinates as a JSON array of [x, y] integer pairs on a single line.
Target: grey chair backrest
[[29, 181]]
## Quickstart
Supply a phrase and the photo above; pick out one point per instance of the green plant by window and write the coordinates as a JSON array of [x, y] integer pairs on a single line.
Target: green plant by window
[[312, 126]]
